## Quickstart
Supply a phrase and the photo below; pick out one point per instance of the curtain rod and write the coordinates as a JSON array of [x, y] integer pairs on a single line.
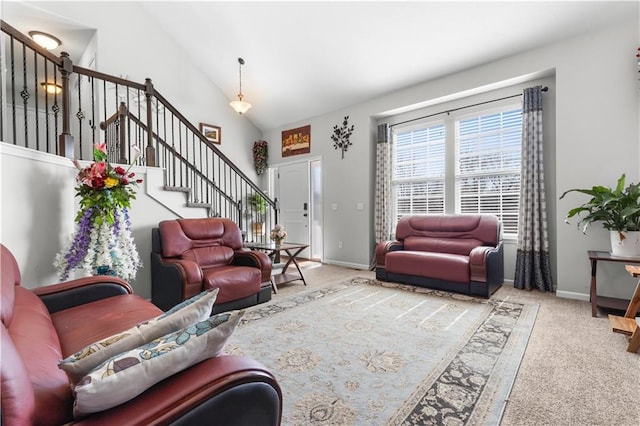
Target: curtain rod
[[544, 89]]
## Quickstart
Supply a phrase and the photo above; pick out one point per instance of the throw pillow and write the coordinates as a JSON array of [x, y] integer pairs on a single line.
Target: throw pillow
[[186, 313], [127, 375]]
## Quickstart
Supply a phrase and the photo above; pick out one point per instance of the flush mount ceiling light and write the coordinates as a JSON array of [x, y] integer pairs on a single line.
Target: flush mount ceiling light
[[51, 88], [240, 106], [45, 40]]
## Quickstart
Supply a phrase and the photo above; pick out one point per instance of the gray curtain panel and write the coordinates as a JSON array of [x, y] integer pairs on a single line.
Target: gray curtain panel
[[532, 259], [383, 184]]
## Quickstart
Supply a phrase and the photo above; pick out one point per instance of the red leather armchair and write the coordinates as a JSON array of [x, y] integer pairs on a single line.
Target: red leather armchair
[[458, 253], [189, 256], [41, 326]]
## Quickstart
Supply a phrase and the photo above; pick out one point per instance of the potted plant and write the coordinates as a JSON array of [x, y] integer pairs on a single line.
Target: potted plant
[[619, 211], [258, 207]]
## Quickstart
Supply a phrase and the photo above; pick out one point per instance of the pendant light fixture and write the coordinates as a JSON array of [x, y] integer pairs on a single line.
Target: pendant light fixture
[[240, 106]]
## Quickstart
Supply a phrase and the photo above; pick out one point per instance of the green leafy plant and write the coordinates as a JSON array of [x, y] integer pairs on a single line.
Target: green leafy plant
[[618, 209], [257, 203]]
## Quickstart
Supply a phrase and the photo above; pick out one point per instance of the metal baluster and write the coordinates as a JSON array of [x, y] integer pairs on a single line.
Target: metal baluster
[[46, 103], [80, 115], [35, 85], [25, 94], [56, 110], [93, 108]]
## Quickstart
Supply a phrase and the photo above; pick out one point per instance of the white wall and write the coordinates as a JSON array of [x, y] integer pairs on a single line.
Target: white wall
[[596, 139], [38, 210]]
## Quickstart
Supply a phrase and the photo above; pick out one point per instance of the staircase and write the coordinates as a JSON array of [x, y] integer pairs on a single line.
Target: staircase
[[83, 106]]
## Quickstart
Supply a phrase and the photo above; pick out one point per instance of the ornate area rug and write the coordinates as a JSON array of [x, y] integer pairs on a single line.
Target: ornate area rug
[[367, 352]]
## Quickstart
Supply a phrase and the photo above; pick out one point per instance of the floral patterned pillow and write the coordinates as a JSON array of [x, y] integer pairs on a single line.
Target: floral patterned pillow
[[186, 313], [127, 375]]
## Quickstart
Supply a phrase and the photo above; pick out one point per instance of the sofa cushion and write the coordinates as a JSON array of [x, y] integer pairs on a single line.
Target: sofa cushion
[[234, 282], [125, 376], [184, 235], [186, 313], [461, 246], [449, 267], [482, 227], [36, 341]]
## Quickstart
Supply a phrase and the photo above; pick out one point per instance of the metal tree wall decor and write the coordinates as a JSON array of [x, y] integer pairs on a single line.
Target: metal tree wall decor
[[340, 136]]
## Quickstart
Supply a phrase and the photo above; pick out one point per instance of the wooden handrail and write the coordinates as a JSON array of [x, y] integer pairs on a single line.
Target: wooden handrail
[[184, 160], [106, 77], [29, 42], [233, 167], [191, 171]]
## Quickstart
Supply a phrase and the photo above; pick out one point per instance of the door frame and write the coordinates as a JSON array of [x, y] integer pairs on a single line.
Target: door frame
[[273, 190]]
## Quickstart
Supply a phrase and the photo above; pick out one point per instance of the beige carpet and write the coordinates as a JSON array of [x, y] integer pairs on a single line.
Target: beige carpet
[[575, 371]]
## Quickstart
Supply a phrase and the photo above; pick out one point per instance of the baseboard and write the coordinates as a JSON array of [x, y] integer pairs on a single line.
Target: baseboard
[[346, 264], [573, 295]]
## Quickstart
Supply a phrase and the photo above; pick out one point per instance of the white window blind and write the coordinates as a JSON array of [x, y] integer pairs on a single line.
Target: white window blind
[[419, 171], [488, 153]]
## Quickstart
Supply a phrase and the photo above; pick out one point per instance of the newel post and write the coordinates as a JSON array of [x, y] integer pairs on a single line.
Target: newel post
[[65, 139], [122, 127], [150, 152]]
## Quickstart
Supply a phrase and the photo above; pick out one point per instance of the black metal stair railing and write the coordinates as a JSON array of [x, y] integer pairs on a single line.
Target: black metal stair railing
[[51, 105]]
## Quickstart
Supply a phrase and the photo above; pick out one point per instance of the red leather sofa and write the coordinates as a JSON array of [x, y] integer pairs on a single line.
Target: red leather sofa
[[189, 256], [457, 253], [42, 326]]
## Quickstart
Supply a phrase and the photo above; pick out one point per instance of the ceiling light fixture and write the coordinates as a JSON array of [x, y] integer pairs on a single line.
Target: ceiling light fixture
[[240, 106], [51, 88], [45, 40]]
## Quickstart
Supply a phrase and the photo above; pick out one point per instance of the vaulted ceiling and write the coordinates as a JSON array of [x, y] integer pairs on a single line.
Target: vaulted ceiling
[[308, 58]]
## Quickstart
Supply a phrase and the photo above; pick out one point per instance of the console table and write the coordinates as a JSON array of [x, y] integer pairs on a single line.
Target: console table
[[292, 250], [602, 301]]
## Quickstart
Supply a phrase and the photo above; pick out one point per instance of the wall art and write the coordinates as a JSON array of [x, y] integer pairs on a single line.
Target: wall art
[[212, 133], [296, 141], [341, 135]]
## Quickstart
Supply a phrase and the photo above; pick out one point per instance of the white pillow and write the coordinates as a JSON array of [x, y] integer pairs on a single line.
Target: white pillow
[[127, 375], [186, 313]]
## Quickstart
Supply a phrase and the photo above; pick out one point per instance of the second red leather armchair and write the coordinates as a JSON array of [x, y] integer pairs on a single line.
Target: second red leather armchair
[[192, 255]]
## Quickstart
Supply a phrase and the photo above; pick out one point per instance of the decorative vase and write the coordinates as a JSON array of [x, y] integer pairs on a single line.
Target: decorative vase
[[628, 246]]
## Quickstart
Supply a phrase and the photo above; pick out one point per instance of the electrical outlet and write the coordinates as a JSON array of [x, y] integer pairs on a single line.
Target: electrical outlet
[[339, 244]]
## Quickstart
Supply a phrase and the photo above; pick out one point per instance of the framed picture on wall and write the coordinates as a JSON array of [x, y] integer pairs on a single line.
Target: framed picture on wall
[[296, 141], [212, 133]]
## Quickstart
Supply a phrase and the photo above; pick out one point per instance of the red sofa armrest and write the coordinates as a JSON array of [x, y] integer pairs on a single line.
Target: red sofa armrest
[[385, 247], [480, 262], [76, 292], [256, 259], [221, 390], [190, 270]]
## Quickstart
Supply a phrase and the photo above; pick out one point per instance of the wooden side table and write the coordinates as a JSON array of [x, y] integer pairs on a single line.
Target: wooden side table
[[628, 324], [602, 301], [292, 250]]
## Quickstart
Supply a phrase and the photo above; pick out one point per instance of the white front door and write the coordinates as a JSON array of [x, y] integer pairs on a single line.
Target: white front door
[[293, 197]]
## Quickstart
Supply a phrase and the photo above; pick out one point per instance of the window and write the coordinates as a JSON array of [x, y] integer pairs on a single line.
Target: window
[[419, 171], [488, 152], [484, 175]]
